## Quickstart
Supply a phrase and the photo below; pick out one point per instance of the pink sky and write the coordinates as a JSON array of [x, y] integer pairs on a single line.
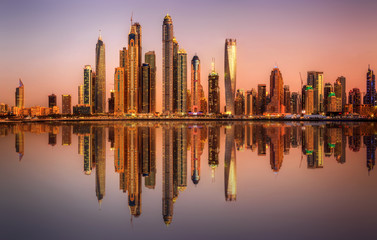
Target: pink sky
[[47, 44]]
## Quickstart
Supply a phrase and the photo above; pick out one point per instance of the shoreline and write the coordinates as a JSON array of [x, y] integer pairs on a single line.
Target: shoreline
[[73, 120]]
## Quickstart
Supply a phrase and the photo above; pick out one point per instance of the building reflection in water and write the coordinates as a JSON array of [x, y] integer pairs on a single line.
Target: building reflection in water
[[230, 173], [134, 148]]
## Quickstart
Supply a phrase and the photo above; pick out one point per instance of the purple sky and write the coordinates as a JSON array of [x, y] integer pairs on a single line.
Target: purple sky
[[47, 43]]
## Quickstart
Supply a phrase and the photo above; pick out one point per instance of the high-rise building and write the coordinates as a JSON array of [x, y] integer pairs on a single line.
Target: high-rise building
[[296, 103], [111, 101], [354, 98], [145, 88], [230, 70], [182, 82], [81, 94], [342, 82], [66, 104], [150, 58], [119, 88], [52, 100], [370, 96], [287, 99], [276, 92], [315, 79], [188, 103], [262, 101], [239, 103], [309, 100], [251, 102], [167, 65], [213, 91], [195, 85], [327, 90], [20, 96], [88, 93], [338, 94], [175, 74], [133, 68], [100, 81]]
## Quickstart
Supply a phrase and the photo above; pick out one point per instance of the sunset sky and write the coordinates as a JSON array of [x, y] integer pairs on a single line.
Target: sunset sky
[[47, 43]]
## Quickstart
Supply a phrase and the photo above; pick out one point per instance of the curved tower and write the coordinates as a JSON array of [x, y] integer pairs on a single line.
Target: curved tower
[[230, 74], [167, 65]]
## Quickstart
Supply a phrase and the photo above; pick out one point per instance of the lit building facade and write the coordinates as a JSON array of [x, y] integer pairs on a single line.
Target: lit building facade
[[119, 91], [100, 78], [315, 79], [213, 91], [20, 96], [182, 82], [167, 65], [150, 59], [276, 92], [230, 70], [195, 85]]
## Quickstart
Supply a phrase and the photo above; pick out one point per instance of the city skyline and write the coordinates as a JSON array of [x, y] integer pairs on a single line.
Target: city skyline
[[351, 63]]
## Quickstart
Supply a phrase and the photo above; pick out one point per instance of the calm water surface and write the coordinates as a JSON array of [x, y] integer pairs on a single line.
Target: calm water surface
[[188, 181]]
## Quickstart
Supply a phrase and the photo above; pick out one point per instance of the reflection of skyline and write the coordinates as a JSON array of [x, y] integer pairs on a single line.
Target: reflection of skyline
[[134, 146], [230, 173]]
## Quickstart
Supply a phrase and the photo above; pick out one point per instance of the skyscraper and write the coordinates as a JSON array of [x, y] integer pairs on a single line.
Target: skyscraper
[[315, 79], [88, 98], [342, 82], [111, 101], [133, 68], [167, 65], [309, 100], [230, 74], [276, 92], [354, 98], [251, 102], [287, 99], [145, 88], [370, 96], [239, 103], [66, 104], [182, 82], [119, 90], [150, 58], [213, 91], [261, 99], [327, 90], [51, 100], [100, 82], [20, 95], [81, 94], [175, 74], [195, 85]]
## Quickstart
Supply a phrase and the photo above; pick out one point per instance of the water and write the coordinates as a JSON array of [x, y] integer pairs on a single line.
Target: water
[[188, 180]]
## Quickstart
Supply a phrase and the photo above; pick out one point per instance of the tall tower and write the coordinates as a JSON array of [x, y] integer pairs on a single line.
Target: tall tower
[[119, 90], [88, 85], [20, 95], [370, 96], [195, 84], [230, 74], [150, 58], [175, 74], [81, 94], [261, 101], [342, 81], [213, 91], [100, 83], [182, 82], [167, 65], [133, 68], [315, 79], [276, 92], [145, 89]]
